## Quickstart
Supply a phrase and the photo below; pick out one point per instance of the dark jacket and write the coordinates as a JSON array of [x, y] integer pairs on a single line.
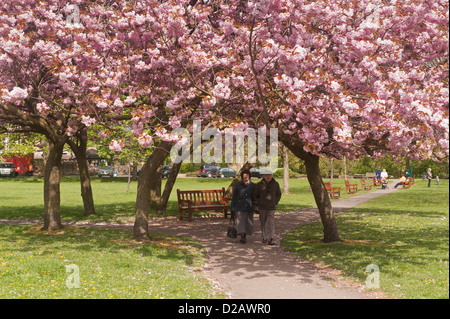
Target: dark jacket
[[267, 195], [242, 197]]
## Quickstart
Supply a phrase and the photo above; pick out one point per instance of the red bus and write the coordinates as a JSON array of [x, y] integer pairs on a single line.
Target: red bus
[[23, 164]]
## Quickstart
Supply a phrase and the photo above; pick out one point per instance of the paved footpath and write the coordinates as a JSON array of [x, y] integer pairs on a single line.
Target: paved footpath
[[255, 270]]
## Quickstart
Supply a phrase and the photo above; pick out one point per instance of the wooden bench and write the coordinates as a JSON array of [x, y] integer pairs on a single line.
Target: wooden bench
[[351, 188], [365, 185], [201, 200], [412, 180], [406, 184], [333, 192], [376, 182]]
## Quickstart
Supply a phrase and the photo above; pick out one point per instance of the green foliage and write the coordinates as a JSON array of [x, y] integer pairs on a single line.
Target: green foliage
[[18, 143], [131, 152]]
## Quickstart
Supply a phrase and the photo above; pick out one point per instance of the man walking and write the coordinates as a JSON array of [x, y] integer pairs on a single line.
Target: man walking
[[266, 196]]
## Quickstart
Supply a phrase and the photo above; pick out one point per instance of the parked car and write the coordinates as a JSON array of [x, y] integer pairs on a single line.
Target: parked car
[[256, 172], [106, 171], [8, 169], [166, 171], [226, 172], [209, 170]]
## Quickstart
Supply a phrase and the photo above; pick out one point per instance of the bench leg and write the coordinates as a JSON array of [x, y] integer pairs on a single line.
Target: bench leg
[[225, 213]]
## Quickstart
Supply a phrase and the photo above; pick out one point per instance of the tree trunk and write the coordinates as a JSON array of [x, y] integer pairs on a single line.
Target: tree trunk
[[80, 151], [155, 187], [331, 172], [321, 197], [129, 178], [162, 206], [285, 170], [143, 197], [330, 231], [52, 179], [345, 167]]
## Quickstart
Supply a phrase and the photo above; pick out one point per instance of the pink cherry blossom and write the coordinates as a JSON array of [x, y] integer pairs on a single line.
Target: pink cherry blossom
[[116, 145], [145, 139]]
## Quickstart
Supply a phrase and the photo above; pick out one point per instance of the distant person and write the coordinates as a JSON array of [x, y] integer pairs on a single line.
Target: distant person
[[242, 205], [437, 180], [378, 174], [384, 174], [384, 179], [266, 196], [30, 170], [429, 176], [402, 180]]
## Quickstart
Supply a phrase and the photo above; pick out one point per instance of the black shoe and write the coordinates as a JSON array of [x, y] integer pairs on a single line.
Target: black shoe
[[243, 238], [271, 242]]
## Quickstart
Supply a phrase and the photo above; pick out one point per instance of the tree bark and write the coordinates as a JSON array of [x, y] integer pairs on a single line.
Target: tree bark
[[80, 151], [155, 187], [330, 230], [285, 170], [52, 179], [162, 206], [143, 197]]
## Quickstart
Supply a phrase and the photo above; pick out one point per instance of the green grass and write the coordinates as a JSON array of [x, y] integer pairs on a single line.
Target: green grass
[[404, 233], [110, 265], [22, 198]]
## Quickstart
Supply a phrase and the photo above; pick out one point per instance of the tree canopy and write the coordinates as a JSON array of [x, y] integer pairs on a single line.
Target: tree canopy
[[336, 78]]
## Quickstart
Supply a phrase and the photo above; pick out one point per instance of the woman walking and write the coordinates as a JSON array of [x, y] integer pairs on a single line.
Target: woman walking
[[242, 206], [429, 176]]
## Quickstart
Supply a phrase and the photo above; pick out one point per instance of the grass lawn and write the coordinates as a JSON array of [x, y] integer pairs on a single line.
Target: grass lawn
[[404, 233], [99, 263], [109, 263], [22, 198]]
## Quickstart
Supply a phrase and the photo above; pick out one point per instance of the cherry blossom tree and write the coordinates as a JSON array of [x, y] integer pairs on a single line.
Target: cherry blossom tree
[[59, 74], [171, 78], [354, 78], [360, 78]]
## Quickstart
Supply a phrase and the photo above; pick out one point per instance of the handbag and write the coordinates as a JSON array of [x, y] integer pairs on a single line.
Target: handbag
[[232, 230]]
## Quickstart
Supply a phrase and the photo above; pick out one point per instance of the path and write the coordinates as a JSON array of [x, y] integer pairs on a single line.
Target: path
[[255, 270]]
